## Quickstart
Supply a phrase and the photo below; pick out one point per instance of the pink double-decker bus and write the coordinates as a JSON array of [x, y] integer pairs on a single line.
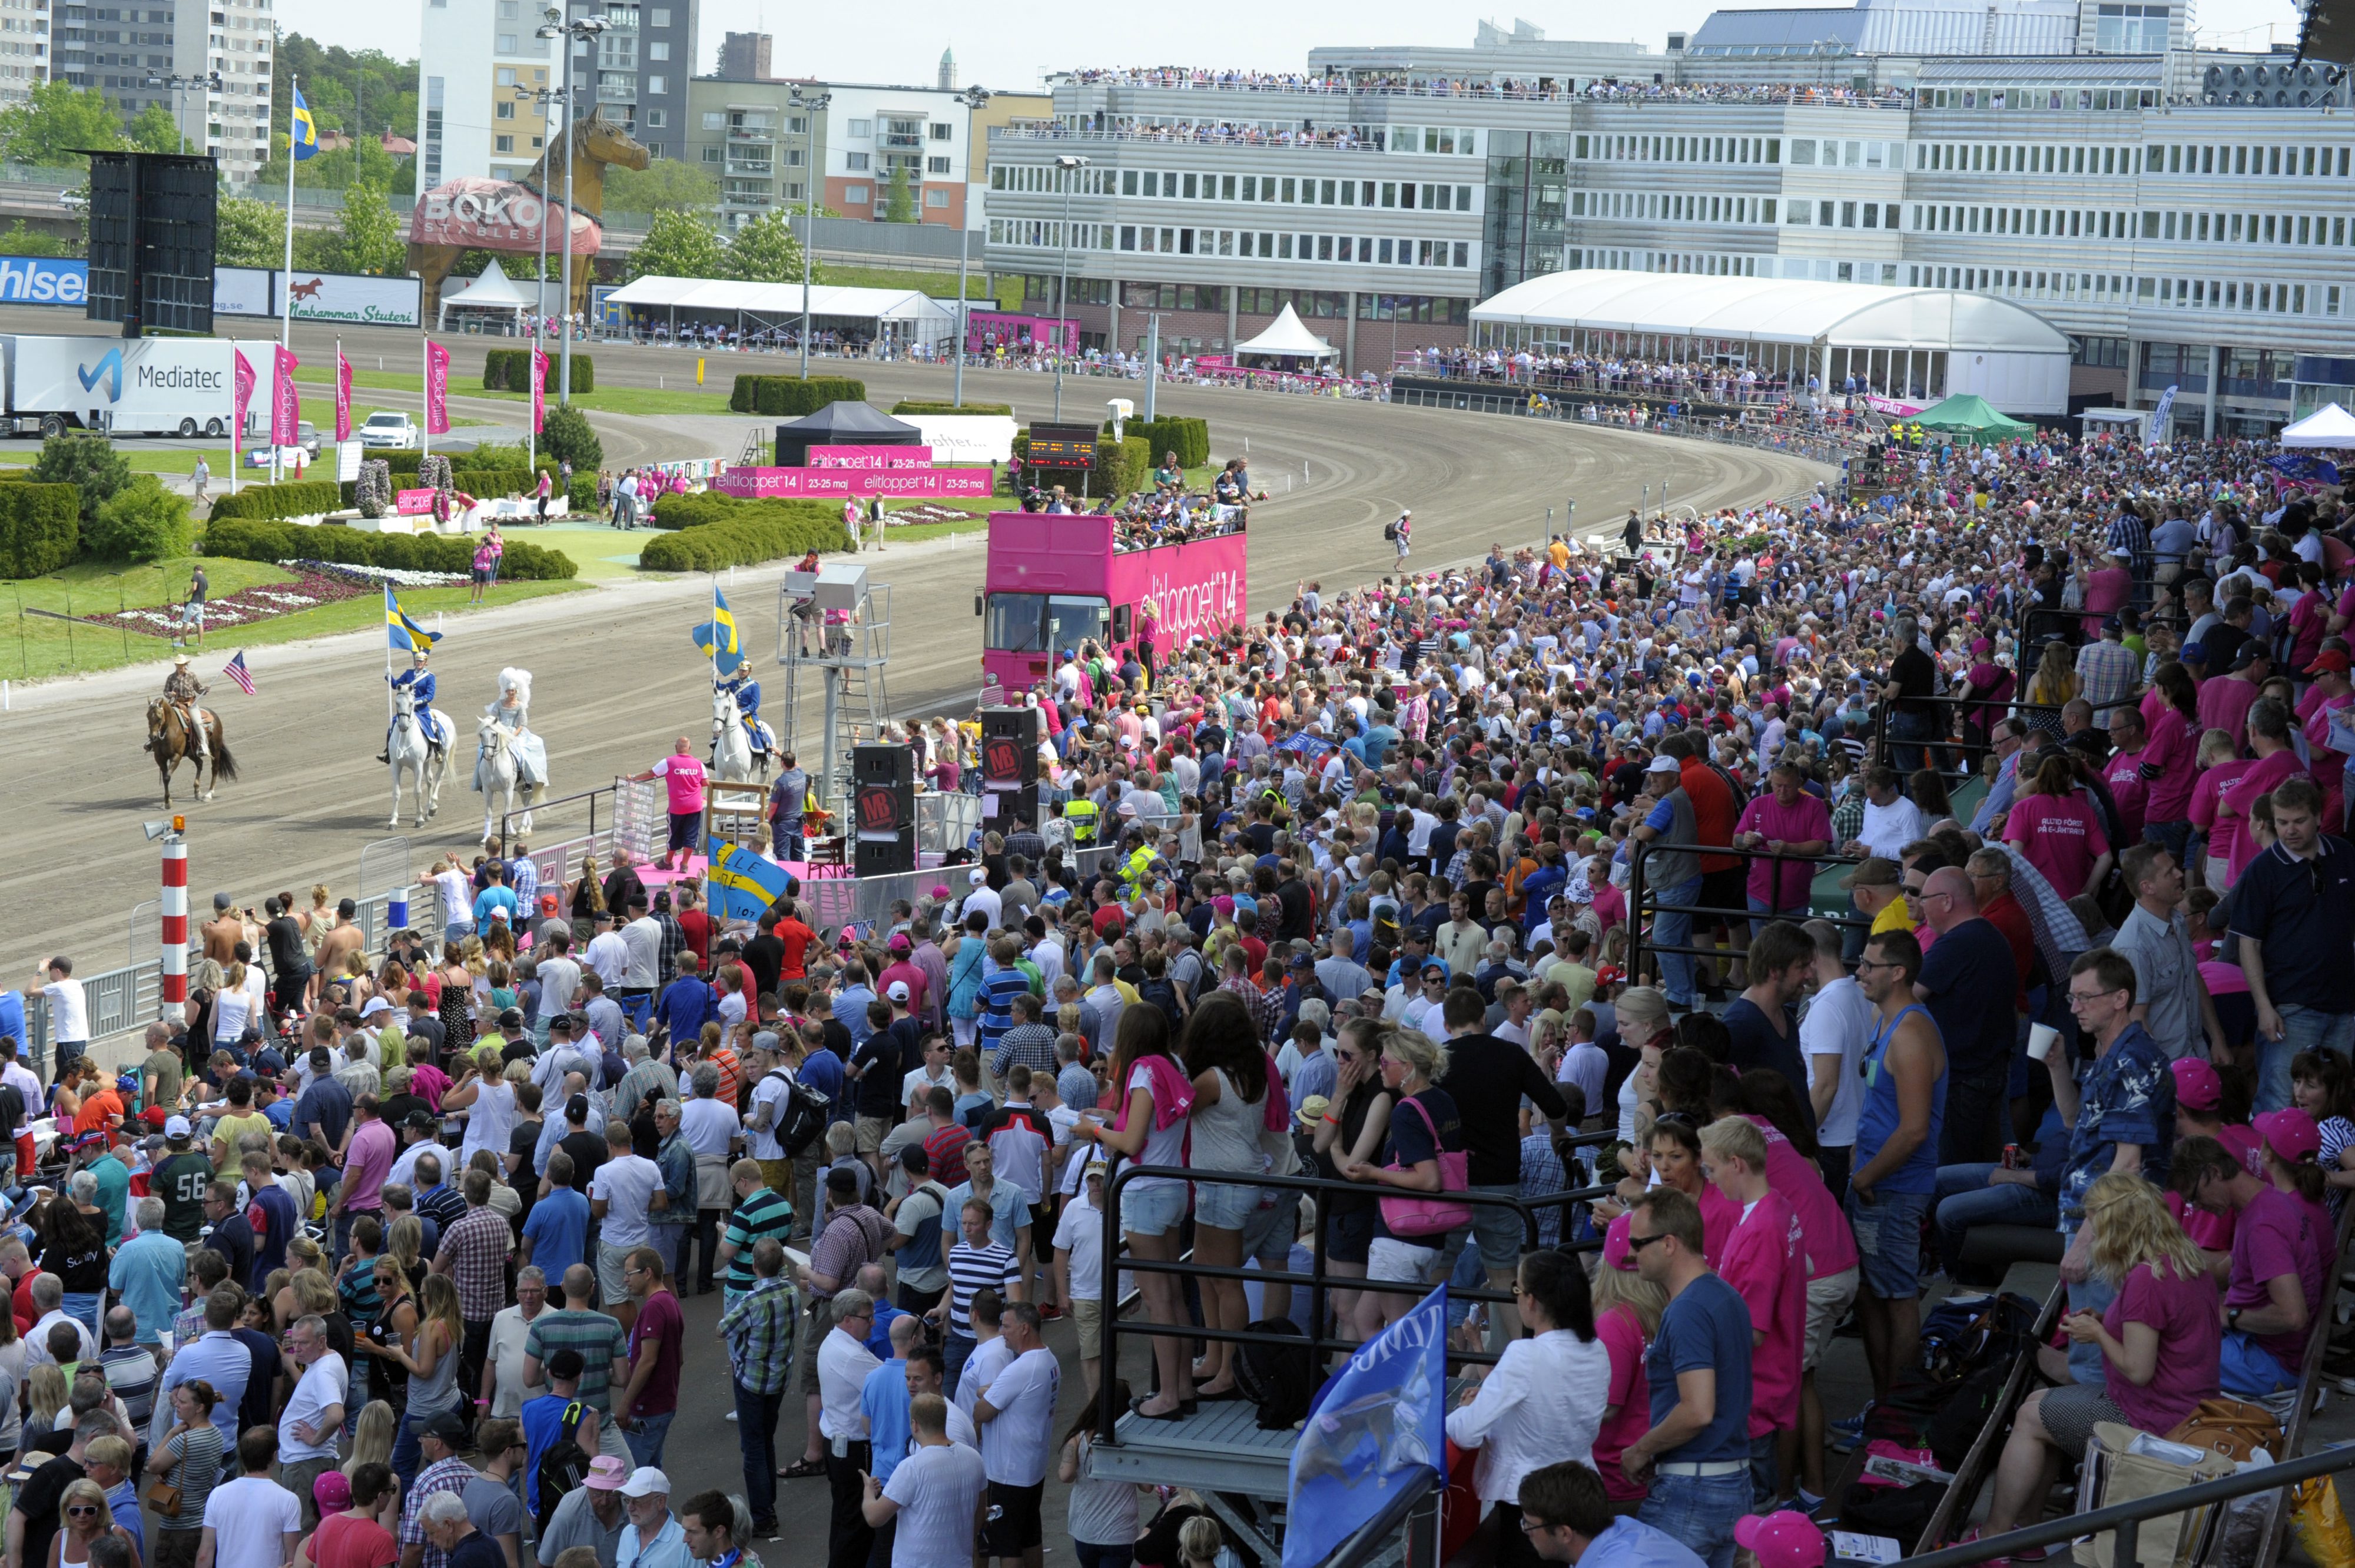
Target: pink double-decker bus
[[1055, 581]]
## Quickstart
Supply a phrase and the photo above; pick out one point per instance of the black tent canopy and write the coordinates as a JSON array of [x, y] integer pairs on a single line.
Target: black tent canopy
[[842, 425]]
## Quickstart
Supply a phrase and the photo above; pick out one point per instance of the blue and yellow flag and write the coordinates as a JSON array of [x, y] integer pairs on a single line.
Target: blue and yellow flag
[[738, 884], [405, 632], [717, 639], [303, 134]]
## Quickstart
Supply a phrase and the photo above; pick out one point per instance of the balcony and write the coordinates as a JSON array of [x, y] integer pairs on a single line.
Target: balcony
[[748, 197], [759, 170], [761, 134], [907, 141]]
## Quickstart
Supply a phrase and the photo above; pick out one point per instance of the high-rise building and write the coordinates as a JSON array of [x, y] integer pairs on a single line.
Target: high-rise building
[[483, 68], [131, 53], [25, 47], [744, 57]]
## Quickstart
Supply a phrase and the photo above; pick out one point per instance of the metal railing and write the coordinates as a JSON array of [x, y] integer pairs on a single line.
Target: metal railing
[[1956, 756], [833, 902], [1638, 942], [1828, 447]]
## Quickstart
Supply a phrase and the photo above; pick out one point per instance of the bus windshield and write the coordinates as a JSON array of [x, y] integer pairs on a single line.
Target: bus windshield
[[1041, 623], [1071, 621]]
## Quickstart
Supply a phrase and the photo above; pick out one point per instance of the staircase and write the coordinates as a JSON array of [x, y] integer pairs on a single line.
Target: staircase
[[754, 450]]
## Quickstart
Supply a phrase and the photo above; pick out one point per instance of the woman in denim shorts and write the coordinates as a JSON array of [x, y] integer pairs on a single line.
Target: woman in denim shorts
[[1152, 1208], [1230, 1088]]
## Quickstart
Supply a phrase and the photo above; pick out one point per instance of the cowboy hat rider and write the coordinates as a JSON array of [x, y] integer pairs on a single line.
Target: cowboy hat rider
[[181, 690], [418, 681]]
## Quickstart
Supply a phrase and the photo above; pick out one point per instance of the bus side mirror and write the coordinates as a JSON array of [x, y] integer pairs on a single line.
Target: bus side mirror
[[1120, 615], [976, 604]]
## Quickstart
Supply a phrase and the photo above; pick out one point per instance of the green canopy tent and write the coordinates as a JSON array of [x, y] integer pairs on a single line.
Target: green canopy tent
[[1970, 417]]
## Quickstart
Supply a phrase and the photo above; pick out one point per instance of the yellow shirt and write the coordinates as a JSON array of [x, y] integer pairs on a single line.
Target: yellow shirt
[[1892, 918], [229, 1129]]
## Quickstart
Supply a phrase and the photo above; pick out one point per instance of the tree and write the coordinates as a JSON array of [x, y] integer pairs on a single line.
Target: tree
[[54, 121], [88, 463], [371, 236], [21, 240], [765, 252], [142, 522], [248, 233], [899, 201], [678, 245], [362, 94], [665, 184], [154, 131], [566, 435]]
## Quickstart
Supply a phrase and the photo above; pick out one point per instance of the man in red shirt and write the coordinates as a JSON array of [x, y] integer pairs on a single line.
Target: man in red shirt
[[687, 900], [1990, 874], [1724, 882], [1764, 1260], [796, 935]]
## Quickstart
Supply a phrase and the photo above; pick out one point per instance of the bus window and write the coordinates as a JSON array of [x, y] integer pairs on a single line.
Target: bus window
[[1070, 621], [1015, 624]]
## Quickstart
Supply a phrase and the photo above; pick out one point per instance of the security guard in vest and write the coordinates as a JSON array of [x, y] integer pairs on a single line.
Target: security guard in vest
[[1082, 814]]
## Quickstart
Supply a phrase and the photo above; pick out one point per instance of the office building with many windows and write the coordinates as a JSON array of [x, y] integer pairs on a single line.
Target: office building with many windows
[[2172, 211]]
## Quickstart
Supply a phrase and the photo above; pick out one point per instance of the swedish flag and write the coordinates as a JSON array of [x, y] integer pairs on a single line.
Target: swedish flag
[[304, 133], [405, 632], [716, 638]]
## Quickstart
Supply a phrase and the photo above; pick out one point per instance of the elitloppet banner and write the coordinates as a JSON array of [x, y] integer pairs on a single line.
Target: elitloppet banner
[[833, 484]]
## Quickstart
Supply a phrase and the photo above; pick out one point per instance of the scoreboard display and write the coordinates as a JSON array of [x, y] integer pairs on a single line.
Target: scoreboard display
[[1062, 446]]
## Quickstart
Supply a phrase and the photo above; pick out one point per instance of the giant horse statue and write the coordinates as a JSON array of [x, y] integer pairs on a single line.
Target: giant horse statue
[[472, 214]]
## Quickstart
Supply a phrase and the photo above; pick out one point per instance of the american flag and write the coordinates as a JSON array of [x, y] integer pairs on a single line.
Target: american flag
[[237, 672]]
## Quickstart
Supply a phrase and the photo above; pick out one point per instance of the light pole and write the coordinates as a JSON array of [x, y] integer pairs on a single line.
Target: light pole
[[809, 216], [546, 98], [1071, 164], [972, 97], [584, 30], [181, 85]]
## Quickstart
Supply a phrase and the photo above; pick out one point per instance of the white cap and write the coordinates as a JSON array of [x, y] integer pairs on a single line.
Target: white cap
[[645, 1481], [978, 876], [177, 1127], [1663, 765], [896, 990]]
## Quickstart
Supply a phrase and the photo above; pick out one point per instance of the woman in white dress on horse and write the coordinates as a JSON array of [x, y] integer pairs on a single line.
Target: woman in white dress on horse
[[511, 711]]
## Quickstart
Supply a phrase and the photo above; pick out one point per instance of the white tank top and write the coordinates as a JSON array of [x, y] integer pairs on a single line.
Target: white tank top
[[1226, 1135]]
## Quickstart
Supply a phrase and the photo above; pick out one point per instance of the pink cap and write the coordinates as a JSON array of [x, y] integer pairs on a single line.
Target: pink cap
[[2289, 1133], [1618, 1250], [1784, 1540], [2197, 1086]]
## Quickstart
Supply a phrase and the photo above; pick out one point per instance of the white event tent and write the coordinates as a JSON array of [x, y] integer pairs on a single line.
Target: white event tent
[[2329, 427], [906, 315], [492, 292], [1285, 337]]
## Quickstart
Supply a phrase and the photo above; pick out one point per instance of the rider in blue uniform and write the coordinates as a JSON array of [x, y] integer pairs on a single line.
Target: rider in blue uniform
[[418, 681], [747, 692]]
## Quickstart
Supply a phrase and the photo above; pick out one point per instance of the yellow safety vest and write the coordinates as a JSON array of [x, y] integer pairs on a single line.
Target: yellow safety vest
[[1081, 816]]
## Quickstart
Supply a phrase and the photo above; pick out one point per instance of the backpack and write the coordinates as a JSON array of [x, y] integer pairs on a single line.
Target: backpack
[[563, 1464], [801, 1115], [1279, 1378], [1390, 533]]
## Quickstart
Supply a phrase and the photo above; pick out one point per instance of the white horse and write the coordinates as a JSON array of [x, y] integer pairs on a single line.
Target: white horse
[[426, 764], [733, 761], [504, 790]]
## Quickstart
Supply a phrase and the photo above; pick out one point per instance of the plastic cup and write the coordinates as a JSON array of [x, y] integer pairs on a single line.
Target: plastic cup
[[2040, 1040]]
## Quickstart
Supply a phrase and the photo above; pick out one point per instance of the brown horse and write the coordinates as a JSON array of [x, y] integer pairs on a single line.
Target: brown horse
[[589, 144], [170, 739]]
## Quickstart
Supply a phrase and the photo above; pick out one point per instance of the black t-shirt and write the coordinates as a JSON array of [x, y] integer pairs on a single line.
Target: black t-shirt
[[1486, 1078], [477, 1551], [1971, 977], [1915, 676], [1261, 837], [765, 957], [393, 1111], [587, 1152], [523, 1141], [878, 1064], [286, 940], [233, 1239], [40, 1501], [180, 1181], [1756, 1043], [1299, 911]]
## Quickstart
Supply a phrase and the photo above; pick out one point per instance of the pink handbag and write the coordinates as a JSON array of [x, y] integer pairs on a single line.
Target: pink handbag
[[1431, 1214]]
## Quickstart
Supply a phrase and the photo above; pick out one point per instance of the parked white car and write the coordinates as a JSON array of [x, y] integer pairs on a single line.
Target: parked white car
[[386, 428]]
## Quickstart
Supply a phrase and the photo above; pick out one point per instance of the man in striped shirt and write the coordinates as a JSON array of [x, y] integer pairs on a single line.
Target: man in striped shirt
[[2110, 670], [761, 1213], [998, 990], [976, 1263]]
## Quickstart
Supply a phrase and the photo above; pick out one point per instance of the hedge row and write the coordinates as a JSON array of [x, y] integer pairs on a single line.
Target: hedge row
[[243, 539], [792, 396], [509, 370], [40, 528], [301, 498], [404, 464], [1189, 439], [724, 530], [483, 483], [914, 405]]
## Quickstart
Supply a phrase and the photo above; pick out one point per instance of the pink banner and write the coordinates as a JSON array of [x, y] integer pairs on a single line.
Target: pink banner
[[539, 390], [437, 389], [903, 484], [286, 402], [244, 378], [412, 503], [343, 397], [870, 457], [496, 215]]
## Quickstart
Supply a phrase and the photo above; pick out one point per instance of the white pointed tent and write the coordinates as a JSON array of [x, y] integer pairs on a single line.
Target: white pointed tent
[[2328, 426], [1285, 337], [490, 292]]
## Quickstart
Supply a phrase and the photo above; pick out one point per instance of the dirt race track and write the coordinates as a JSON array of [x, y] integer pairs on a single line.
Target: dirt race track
[[615, 678]]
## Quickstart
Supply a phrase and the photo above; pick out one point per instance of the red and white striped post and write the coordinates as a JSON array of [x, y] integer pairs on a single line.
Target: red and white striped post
[[175, 918]]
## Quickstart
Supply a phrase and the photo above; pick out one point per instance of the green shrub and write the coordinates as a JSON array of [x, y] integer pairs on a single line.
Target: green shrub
[[40, 528], [1189, 439], [688, 509], [88, 462], [723, 530], [1122, 466], [509, 370], [142, 522], [301, 498], [403, 465], [243, 539], [492, 483], [495, 455], [566, 435], [791, 396], [917, 406], [583, 494]]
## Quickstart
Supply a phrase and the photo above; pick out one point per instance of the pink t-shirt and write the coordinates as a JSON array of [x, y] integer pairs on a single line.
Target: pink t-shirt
[[2190, 1337], [1622, 1336], [1830, 1245], [2261, 778], [684, 778], [2172, 749], [2210, 1233], [2276, 1236], [1718, 1216], [1765, 1261], [2224, 704], [2223, 832], [2062, 837], [2129, 791], [1805, 821]]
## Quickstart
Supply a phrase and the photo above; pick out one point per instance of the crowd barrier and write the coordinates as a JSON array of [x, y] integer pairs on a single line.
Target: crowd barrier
[[1638, 940], [1957, 761]]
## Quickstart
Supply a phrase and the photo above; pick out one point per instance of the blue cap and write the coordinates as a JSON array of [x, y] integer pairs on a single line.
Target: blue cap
[[2194, 653]]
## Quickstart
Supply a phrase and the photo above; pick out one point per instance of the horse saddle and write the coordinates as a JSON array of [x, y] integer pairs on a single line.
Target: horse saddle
[[438, 729], [763, 738]]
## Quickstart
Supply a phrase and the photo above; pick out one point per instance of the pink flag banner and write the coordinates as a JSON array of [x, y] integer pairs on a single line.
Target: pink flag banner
[[897, 484], [244, 378], [538, 392], [437, 389], [343, 397], [286, 402], [870, 457]]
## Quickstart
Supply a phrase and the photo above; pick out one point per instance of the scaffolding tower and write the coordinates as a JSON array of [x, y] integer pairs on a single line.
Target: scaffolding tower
[[833, 629]]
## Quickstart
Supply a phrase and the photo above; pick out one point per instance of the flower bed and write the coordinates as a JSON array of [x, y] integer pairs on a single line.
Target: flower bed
[[316, 583]]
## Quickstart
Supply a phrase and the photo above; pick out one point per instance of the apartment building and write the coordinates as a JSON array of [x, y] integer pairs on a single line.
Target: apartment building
[[131, 52], [2173, 212], [24, 46]]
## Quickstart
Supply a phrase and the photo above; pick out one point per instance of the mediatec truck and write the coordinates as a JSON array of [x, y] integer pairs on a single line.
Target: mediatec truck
[[138, 386]]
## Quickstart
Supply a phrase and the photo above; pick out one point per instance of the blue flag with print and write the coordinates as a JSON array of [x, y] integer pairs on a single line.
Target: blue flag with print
[[1376, 1422], [739, 885]]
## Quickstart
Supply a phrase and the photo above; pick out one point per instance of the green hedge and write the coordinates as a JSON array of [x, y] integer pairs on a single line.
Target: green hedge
[[792, 396], [692, 509], [583, 494], [404, 465], [915, 406], [1189, 439], [40, 528], [301, 498], [242, 539], [723, 531], [1123, 467], [509, 370]]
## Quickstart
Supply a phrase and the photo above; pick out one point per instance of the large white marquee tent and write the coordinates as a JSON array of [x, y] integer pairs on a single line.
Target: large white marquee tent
[[906, 316]]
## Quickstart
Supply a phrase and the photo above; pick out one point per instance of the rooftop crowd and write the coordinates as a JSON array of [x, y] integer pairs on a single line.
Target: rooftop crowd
[[1376, 867]]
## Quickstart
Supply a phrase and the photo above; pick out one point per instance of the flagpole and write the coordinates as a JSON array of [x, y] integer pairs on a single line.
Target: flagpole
[[236, 423], [286, 295], [425, 389], [387, 658]]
